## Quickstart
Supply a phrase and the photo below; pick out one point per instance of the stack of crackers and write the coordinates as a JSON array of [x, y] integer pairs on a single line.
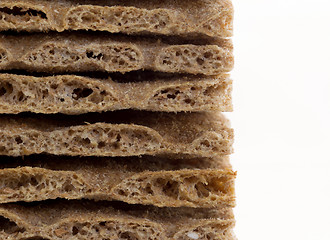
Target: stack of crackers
[[111, 123]]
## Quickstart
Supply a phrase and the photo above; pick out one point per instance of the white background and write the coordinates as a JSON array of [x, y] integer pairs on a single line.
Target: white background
[[282, 119]]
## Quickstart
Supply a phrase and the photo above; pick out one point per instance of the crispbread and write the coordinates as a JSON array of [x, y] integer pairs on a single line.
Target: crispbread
[[122, 133], [112, 220], [169, 160], [170, 17], [159, 181], [81, 52], [71, 94]]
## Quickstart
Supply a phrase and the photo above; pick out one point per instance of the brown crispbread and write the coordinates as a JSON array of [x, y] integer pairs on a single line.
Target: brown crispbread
[[122, 133], [81, 52], [197, 17], [159, 181], [112, 220], [96, 141], [71, 94]]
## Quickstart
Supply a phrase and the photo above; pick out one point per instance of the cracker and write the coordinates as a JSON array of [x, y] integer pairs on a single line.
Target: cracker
[[159, 181], [111, 220], [82, 52], [171, 17], [123, 133]]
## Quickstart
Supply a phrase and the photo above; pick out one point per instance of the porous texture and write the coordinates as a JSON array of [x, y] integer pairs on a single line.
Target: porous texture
[[79, 52], [4, 57], [122, 133], [163, 182], [106, 220], [184, 58], [72, 94], [171, 17]]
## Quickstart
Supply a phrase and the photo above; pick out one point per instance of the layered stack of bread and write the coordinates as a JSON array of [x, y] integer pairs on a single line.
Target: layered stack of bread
[[111, 123]]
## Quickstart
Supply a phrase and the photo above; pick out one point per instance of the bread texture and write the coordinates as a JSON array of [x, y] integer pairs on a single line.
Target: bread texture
[[81, 52], [72, 94], [172, 17], [4, 57], [159, 181], [112, 220], [123, 133]]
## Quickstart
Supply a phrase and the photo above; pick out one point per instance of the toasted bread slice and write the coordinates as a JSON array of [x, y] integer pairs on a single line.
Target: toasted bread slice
[[122, 133], [112, 220], [81, 52], [170, 17], [159, 181]]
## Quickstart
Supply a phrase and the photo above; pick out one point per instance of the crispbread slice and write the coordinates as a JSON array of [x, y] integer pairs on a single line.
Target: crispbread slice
[[122, 133], [112, 220], [170, 17], [81, 52], [159, 181], [71, 94]]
